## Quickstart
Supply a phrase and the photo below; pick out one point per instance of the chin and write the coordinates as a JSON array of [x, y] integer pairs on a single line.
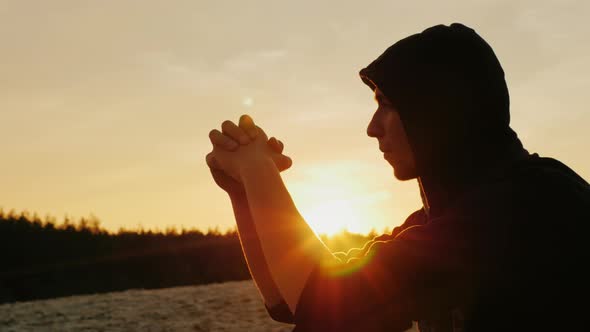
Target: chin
[[404, 173]]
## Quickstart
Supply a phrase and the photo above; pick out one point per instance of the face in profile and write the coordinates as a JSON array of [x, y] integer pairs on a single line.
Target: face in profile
[[386, 126]]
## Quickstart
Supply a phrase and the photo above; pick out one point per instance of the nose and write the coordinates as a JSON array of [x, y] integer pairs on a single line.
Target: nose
[[374, 129]]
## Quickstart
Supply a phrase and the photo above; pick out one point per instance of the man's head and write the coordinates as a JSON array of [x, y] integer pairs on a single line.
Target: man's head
[[386, 126], [449, 102]]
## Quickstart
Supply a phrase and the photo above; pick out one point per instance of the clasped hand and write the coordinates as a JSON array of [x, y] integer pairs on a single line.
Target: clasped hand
[[239, 146]]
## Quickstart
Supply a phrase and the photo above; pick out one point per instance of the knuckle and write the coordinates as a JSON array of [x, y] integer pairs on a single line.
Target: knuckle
[[230, 145]]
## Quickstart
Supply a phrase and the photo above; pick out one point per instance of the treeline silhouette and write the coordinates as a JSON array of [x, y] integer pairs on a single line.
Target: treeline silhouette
[[46, 259]]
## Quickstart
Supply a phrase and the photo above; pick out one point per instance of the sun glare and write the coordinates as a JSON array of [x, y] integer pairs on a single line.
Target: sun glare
[[332, 217], [332, 198]]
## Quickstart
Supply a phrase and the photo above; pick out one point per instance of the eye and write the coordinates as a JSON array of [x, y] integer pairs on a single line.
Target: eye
[[384, 105]]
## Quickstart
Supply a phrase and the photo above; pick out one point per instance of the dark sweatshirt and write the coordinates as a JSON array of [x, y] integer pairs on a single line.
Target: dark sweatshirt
[[501, 242]]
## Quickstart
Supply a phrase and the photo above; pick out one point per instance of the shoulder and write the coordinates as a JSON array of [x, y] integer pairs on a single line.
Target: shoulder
[[535, 172], [546, 180], [546, 170], [533, 187]]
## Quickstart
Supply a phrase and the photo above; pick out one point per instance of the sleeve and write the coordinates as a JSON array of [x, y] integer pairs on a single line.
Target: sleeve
[[281, 312], [416, 218], [396, 281]]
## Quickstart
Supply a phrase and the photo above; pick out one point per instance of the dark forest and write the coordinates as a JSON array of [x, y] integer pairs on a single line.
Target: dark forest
[[47, 259]]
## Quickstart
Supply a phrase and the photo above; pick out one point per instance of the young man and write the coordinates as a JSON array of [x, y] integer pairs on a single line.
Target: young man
[[498, 244]]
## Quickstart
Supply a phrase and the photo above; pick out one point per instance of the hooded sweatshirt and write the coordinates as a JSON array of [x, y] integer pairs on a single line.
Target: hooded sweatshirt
[[499, 243]]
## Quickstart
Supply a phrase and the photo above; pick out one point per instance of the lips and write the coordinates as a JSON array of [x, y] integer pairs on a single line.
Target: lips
[[387, 156], [383, 147]]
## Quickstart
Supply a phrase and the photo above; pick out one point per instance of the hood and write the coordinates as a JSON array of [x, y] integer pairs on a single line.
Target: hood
[[449, 88]]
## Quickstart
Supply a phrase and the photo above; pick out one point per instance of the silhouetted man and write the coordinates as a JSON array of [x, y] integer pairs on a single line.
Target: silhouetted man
[[498, 245]]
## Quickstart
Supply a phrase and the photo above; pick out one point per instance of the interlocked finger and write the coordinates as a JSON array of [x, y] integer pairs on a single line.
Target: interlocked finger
[[281, 146], [211, 161], [222, 141], [274, 145], [234, 132], [247, 124]]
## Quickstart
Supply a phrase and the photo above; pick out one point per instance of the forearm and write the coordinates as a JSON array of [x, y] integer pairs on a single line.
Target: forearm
[[291, 248], [253, 252]]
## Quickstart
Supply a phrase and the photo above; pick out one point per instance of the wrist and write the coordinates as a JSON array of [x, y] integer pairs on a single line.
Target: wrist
[[256, 166], [237, 196]]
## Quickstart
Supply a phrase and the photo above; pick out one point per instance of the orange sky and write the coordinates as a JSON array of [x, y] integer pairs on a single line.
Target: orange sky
[[105, 106]]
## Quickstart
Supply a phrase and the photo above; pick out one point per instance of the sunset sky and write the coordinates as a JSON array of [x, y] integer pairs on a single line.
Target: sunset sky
[[105, 106]]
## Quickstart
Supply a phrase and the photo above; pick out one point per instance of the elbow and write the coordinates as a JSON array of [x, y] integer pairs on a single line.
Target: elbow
[[281, 313]]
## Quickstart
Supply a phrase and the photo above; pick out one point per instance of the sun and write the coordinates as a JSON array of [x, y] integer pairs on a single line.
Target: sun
[[248, 102], [331, 200], [332, 217]]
